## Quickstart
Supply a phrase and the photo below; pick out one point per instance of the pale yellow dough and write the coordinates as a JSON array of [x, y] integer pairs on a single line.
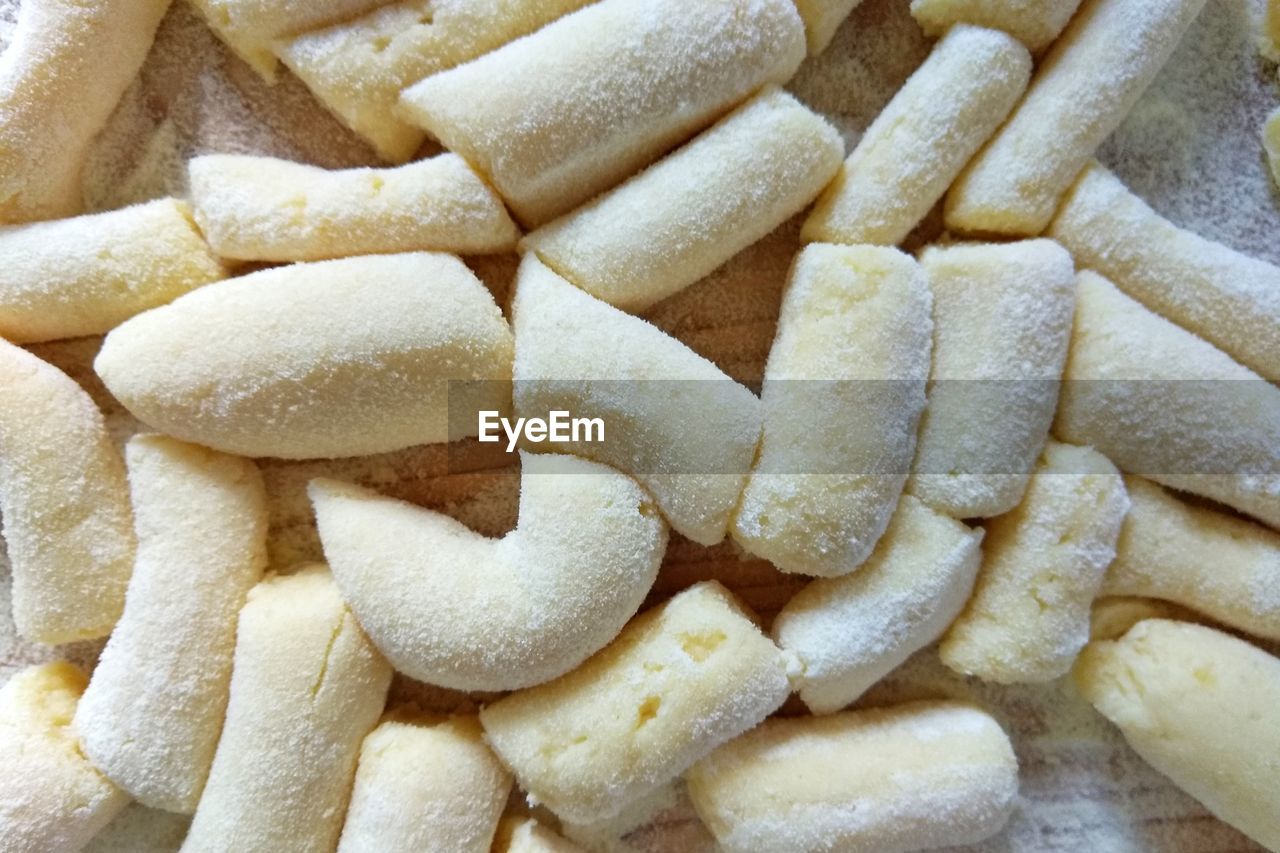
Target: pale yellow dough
[[1036, 23], [451, 607], [1271, 143], [679, 681], [518, 834], [567, 112], [918, 144], [1271, 31], [153, 711], [1200, 707], [843, 391], [821, 20], [1113, 615], [338, 358], [883, 780], [51, 799], [306, 688], [687, 214]]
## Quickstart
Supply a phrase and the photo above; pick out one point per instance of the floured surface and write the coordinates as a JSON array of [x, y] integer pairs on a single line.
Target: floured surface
[[1191, 149]]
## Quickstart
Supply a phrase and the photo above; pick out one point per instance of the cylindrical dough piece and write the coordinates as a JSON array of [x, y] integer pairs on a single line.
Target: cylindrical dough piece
[[1114, 615], [67, 65], [52, 800], [1166, 405], [517, 834], [454, 608], [264, 209], [1044, 562], [679, 681], [427, 786], [852, 631], [1220, 565], [883, 780], [673, 420], [84, 276], [919, 143], [687, 214], [306, 688], [567, 112], [1226, 297], [65, 503], [821, 20], [1001, 327], [151, 717], [843, 391], [1083, 89], [1036, 23], [338, 358], [1199, 706]]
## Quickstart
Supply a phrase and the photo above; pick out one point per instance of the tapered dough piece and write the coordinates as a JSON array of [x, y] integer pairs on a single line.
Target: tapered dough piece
[[679, 681], [521, 834], [454, 608], [673, 420], [1001, 327], [821, 20], [919, 143], [1035, 23], [65, 503], [843, 391], [338, 358], [1199, 706], [153, 711], [1082, 90], [359, 67], [1114, 615], [1226, 297], [430, 786], [264, 209], [558, 116], [1166, 405], [882, 780], [850, 632], [67, 65], [1043, 565], [306, 687], [687, 214], [52, 800], [84, 276]]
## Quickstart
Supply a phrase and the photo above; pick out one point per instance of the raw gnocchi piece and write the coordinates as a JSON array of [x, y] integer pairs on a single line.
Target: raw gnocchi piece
[[1166, 405], [843, 391], [697, 672], [517, 834], [1114, 615], [339, 358], [1271, 31], [65, 502], [1044, 563], [1036, 23], [1001, 327], [52, 800], [1271, 143], [454, 608], [821, 20], [1199, 706], [151, 716], [307, 686], [425, 785], [1082, 90], [556, 117], [673, 420], [882, 780], [852, 631], [687, 214], [919, 143]]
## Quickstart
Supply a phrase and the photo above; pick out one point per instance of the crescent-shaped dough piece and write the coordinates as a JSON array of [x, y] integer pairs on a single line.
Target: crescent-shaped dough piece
[[1164, 404], [52, 800], [919, 143], [844, 388], [1082, 90], [1224, 296], [153, 711], [1199, 706], [562, 114], [338, 358], [687, 214], [1036, 23], [65, 502], [60, 78], [673, 420], [306, 687], [451, 607], [264, 209], [821, 20]]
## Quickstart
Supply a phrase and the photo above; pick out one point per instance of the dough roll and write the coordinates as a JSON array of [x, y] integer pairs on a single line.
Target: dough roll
[[517, 834], [1036, 23], [821, 20], [1114, 615]]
